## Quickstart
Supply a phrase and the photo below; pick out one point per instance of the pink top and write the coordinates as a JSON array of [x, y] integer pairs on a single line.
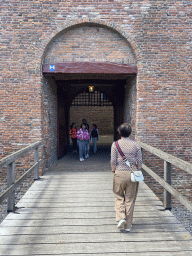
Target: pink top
[[83, 134]]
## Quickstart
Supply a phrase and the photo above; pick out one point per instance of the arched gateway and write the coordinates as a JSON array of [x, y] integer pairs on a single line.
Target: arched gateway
[[82, 56]]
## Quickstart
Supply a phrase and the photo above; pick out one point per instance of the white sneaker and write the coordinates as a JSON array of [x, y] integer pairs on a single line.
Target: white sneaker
[[82, 159], [128, 229], [86, 156], [121, 223]]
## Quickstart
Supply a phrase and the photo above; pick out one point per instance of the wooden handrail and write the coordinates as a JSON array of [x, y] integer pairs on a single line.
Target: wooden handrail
[[168, 158], [11, 188], [169, 188], [9, 161], [166, 182], [20, 153]]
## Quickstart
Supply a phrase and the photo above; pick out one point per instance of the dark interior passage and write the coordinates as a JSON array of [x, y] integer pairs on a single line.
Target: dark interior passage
[[105, 103]]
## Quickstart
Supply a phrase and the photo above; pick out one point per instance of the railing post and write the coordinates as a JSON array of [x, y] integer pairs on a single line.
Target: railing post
[[10, 181], [36, 159], [142, 153], [167, 178]]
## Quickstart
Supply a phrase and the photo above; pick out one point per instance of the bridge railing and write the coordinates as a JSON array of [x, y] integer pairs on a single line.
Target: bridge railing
[[169, 160], [12, 184]]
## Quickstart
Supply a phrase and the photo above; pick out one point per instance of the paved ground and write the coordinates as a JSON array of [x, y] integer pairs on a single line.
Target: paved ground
[[70, 211]]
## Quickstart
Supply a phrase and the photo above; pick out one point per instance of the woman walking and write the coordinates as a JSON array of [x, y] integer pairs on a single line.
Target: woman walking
[[87, 141], [124, 190], [73, 133], [95, 137], [82, 136]]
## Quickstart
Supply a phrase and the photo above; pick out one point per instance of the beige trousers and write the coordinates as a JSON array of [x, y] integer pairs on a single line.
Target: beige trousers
[[125, 196]]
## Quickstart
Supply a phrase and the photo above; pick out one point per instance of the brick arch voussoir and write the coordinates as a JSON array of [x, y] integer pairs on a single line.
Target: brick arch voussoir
[[70, 24]]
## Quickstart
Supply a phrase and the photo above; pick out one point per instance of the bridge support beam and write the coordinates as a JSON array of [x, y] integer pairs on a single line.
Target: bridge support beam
[[36, 160], [10, 181], [167, 178]]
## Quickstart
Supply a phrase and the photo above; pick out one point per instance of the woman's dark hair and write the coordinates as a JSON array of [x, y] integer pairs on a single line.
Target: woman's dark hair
[[95, 126], [84, 121], [124, 130], [84, 124]]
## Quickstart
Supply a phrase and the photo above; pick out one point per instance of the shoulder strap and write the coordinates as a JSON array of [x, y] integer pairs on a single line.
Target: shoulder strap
[[119, 149]]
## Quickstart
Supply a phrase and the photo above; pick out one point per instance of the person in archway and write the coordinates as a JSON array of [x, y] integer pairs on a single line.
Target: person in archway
[[73, 133], [82, 136], [124, 190], [87, 147], [94, 135]]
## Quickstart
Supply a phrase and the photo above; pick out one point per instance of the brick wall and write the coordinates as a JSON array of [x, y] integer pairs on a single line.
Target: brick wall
[[153, 34], [89, 42], [49, 127], [103, 117], [131, 104]]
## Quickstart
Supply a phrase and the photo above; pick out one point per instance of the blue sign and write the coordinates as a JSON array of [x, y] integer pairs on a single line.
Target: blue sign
[[52, 68]]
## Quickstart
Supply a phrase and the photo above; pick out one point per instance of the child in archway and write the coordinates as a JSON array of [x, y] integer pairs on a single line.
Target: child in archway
[[95, 137], [83, 137]]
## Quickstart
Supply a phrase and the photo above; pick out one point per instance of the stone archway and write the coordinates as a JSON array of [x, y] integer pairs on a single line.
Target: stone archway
[[83, 52], [89, 42]]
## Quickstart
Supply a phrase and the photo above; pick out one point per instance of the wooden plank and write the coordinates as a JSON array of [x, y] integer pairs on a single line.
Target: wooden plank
[[46, 195], [90, 68], [141, 228], [84, 215], [93, 194], [83, 222], [177, 253], [135, 254], [98, 198], [95, 238], [86, 203], [42, 210], [87, 200], [87, 248]]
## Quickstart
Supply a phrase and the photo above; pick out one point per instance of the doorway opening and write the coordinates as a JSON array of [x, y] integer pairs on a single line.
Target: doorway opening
[[104, 107], [96, 108], [67, 99]]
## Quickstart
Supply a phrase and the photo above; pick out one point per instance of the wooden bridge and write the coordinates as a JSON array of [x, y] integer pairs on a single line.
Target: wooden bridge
[[70, 211]]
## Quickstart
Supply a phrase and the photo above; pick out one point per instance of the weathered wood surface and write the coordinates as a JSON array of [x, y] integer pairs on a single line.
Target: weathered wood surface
[[67, 213]]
